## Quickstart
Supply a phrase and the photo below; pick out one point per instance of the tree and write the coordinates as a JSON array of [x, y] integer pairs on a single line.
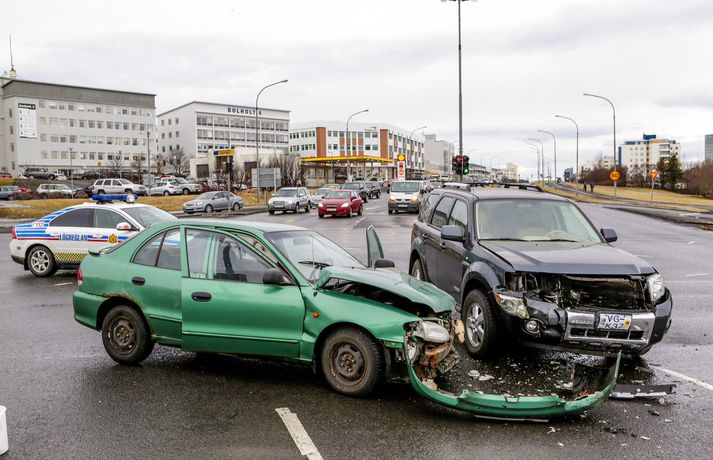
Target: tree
[[637, 178], [292, 173], [116, 163], [136, 167], [179, 160], [675, 171], [699, 179], [158, 163]]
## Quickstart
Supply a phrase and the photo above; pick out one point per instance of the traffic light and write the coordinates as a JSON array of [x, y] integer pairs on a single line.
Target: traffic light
[[454, 164], [466, 164], [458, 164]]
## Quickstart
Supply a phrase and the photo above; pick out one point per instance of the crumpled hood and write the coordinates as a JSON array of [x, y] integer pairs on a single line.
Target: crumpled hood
[[568, 258], [393, 281]]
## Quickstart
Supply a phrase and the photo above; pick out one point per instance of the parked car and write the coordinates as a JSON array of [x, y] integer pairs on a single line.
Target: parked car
[[165, 188], [61, 177], [319, 195], [89, 174], [114, 186], [4, 175], [9, 192], [54, 191], [340, 203], [213, 201], [289, 199], [530, 267], [40, 173], [360, 188], [406, 195], [184, 186]]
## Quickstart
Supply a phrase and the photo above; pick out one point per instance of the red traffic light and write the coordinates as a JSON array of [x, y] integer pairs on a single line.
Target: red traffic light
[[459, 158]]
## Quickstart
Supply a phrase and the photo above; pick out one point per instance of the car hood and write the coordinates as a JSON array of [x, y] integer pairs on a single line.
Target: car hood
[[393, 281], [568, 258], [334, 201]]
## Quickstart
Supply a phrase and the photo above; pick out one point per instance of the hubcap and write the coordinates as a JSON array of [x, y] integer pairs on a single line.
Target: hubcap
[[348, 362], [40, 261], [475, 325], [122, 335], [416, 272]]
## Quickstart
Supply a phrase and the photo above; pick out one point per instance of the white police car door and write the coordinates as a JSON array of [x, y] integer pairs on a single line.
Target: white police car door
[[70, 234], [104, 228]]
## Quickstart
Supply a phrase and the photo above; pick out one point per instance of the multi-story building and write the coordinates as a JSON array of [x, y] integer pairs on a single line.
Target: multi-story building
[[708, 156], [370, 149], [437, 155], [66, 127], [645, 153], [198, 128]]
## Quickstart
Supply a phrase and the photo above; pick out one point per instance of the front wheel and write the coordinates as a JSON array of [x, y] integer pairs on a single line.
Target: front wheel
[[208, 209], [271, 212], [41, 262], [186, 191], [480, 325], [236, 206], [126, 336], [166, 193], [361, 210], [351, 362], [308, 207]]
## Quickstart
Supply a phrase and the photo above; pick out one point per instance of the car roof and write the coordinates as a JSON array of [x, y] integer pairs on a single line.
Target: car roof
[[502, 193], [263, 227]]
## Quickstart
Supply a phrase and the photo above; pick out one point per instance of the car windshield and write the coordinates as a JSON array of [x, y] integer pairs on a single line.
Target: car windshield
[[533, 220], [309, 252], [147, 215], [322, 191], [180, 180], [404, 187], [351, 186], [287, 192], [339, 195], [205, 196]]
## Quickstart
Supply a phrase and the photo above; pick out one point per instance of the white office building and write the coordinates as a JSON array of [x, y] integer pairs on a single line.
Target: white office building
[[645, 153], [41, 123], [199, 128], [708, 148], [438, 155]]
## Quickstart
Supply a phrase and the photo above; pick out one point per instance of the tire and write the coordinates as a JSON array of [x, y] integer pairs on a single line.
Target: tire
[[351, 362], [361, 210], [186, 191], [126, 336], [40, 261], [128, 190], [308, 207], [51, 177], [417, 270], [321, 216], [100, 192], [44, 196], [11, 197], [208, 209], [366, 199], [271, 212], [236, 206], [478, 315], [351, 213], [391, 211], [166, 193]]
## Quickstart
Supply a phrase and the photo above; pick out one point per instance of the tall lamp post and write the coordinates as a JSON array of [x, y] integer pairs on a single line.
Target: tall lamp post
[[410, 140], [71, 171], [576, 162], [542, 157], [257, 137], [554, 140], [538, 158], [614, 120], [348, 145]]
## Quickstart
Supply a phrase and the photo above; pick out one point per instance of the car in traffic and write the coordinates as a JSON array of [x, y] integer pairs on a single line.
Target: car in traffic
[[374, 189], [289, 199], [40, 173], [319, 195], [406, 195], [340, 203], [117, 186], [360, 188], [13, 192], [209, 202], [529, 267], [54, 191], [61, 239]]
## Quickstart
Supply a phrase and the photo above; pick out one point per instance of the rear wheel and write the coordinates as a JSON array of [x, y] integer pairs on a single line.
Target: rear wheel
[[100, 192], [481, 326], [308, 207], [41, 262], [166, 193], [391, 211], [271, 212], [236, 206], [186, 191], [126, 336], [351, 362], [43, 196], [128, 190]]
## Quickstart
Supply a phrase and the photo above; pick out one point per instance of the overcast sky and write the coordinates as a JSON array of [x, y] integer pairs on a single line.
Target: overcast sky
[[523, 62]]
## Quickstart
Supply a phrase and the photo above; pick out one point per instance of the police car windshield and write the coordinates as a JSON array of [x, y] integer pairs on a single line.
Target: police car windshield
[[147, 215]]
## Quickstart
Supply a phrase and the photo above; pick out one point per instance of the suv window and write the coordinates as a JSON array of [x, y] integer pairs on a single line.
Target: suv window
[[440, 217], [427, 206], [459, 216], [103, 218], [74, 218]]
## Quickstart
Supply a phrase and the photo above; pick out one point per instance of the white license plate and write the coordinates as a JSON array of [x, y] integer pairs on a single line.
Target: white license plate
[[331, 209], [614, 321], [403, 206]]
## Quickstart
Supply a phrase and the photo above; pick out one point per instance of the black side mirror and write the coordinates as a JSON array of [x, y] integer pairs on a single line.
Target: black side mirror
[[609, 235], [452, 233], [274, 276], [384, 263]]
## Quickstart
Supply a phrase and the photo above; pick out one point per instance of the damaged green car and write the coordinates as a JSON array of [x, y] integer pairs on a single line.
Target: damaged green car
[[279, 291]]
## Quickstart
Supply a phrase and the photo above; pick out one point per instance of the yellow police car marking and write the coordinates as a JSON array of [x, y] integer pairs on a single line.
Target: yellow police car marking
[[113, 239], [68, 256]]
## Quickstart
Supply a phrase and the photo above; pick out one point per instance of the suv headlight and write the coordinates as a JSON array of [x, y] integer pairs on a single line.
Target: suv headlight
[[512, 305], [656, 286], [432, 332]]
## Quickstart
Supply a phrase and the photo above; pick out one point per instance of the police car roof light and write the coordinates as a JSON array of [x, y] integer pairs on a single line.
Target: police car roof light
[[126, 197]]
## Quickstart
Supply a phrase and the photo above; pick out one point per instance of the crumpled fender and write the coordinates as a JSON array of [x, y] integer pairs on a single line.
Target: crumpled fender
[[520, 407]]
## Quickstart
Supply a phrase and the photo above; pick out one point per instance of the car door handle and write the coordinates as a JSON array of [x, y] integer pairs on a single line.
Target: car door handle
[[201, 296], [138, 280]]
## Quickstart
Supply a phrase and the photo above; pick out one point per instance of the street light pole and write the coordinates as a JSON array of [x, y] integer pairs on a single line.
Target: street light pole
[[576, 171], [348, 144], [71, 171], [614, 120], [538, 156], [554, 140], [148, 154], [542, 157], [410, 140], [257, 137]]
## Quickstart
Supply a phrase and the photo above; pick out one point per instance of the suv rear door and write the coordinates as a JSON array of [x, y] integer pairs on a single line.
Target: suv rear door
[[432, 238], [452, 254]]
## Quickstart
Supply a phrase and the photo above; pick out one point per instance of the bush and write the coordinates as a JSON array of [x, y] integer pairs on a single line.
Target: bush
[[699, 179]]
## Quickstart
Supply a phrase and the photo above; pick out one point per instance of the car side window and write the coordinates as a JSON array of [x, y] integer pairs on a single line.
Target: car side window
[[103, 218], [426, 208], [197, 245], [169, 255], [459, 216], [259, 247], [148, 253], [235, 261], [74, 218], [440, 216]]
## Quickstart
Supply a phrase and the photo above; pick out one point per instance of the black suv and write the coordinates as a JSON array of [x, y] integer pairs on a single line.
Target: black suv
[[530, 267], [360, 187]]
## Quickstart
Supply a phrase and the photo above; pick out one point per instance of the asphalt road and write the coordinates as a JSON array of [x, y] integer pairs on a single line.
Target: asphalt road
[[66, 398]]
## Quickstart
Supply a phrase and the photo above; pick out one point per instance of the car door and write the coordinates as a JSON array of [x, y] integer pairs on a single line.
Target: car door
[[227, 309], [105, 232], [432, 239], [72, 231], [450, 260], [303, 197], [220, 201]]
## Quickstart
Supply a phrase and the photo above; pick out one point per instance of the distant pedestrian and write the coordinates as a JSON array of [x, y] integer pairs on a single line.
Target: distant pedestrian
[[584, 184], [591, 186]]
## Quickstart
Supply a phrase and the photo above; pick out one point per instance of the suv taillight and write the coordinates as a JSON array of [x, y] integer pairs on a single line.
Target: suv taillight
[[80, 277], [14, 235]]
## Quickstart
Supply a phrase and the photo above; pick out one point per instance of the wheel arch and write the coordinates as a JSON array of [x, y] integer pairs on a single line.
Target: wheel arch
[[112, 302], [30, 248], [479, 276], [324, 333]]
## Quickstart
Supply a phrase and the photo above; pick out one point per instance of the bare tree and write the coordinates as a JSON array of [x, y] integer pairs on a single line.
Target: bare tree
[[239, 174], [136, 165], [116, 163], [179, 160], [158, 162], [291, 172]]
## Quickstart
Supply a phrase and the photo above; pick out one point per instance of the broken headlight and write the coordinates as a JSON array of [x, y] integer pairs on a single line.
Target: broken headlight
[[432, 332], [512, 305], [656, 287]]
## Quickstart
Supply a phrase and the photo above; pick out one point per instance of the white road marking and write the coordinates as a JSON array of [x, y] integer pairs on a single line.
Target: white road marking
[[63, 284], [697, 274], [299, 434], [701, 383], [691, 242]]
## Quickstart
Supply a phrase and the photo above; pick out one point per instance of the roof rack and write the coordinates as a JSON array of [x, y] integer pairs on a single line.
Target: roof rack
[[517, 185]]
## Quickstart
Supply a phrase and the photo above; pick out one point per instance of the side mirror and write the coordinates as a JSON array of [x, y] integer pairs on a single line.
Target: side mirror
[[609, 235], [274, 276], [384, 263], [124, 227], [452, 233]]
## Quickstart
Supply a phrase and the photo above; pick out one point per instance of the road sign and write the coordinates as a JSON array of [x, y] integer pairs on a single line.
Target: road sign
[[223, 152], [614, 175], [400, 157], [654, 174], [401, 169], [269, 178]]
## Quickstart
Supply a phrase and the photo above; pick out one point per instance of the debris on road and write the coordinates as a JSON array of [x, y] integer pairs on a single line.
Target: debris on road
[[633, 391]]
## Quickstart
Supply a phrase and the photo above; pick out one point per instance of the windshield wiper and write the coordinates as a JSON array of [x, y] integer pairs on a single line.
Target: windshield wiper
[[319, 265], [558, 240], [503, 239]]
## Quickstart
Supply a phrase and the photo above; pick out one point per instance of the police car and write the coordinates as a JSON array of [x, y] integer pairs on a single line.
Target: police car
[[63, 238]]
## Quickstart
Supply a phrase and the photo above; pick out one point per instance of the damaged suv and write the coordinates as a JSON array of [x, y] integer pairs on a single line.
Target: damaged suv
[[531, 267]]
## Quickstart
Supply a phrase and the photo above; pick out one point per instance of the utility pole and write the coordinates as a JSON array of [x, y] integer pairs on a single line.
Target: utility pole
[[576, 172], [614, 120], [257, 137], [148, 154], [71, 170], [554, 140], [542, 157], [347, 141]]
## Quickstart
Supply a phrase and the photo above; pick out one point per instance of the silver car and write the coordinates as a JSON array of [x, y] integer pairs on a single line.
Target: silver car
[[165, 188], [319, 195], [213, 201], [290, 199], [114, 186], [54, 191]]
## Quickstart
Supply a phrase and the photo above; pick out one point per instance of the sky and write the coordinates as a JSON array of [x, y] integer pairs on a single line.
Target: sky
[[523, 62]]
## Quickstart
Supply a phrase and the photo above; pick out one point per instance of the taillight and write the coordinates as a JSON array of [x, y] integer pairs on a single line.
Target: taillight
[[14, 235], [80, 277]]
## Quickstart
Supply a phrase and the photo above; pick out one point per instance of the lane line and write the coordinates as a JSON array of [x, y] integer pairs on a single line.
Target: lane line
[[697, 274], [62, 284], [299, 434], [700, 383]]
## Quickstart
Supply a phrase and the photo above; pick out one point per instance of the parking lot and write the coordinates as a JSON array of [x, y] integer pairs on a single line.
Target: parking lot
[[66, 398]]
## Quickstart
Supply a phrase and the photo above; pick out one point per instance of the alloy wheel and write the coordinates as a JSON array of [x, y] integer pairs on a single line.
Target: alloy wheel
[[40, 261], [475, 325]]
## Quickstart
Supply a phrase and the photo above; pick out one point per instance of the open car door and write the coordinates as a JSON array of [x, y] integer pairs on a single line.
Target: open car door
[[374, 250]]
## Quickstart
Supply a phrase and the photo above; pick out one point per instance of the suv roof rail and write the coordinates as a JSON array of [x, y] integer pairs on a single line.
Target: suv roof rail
[[517, 185]]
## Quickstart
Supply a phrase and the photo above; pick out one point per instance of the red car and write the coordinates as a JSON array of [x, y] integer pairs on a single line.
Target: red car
[[340, 203]]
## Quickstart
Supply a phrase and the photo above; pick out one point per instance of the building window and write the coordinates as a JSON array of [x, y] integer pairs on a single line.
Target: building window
[[54, 138], [63, 138], [42, 103], [43, 155], [43, 137], [176, 120], [163, 124], [126, 126], [82, 123], [55, 154], [12, 146], [52, 105], [176, 133], [100, 156], [134, 126], [170, 135], [43, 121], [109, 125], [9, 111], [90, 123], [64, 154], [72, 139], [100, 124], [169, 122], [72, 122], [11, 130]]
